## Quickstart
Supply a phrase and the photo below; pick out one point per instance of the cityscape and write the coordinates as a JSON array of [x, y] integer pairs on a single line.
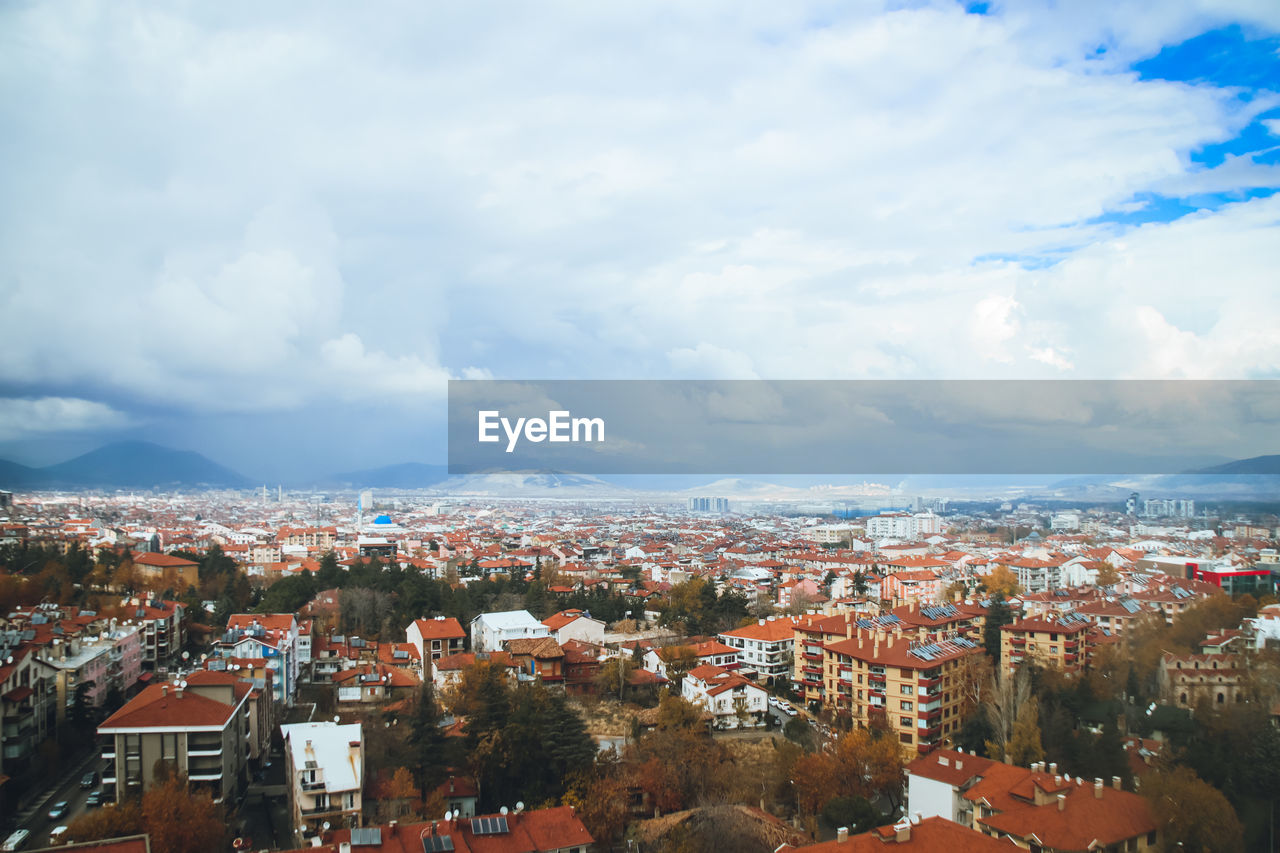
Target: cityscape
[[663, 427], [380, 667]]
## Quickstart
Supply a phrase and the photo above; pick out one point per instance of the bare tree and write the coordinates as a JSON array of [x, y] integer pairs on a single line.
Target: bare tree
[[1006, 694]]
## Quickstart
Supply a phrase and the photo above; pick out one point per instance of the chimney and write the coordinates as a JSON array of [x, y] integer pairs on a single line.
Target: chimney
[[164, 690], [842, 835], [177, 691], [1053, 767], [959, 764], [902, 831], [1097, 788], [344, 847], [1115, 782], [1062, 802]]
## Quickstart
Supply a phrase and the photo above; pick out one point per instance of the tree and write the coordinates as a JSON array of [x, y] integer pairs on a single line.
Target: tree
[[613, 674], [1001, 581], [1107, 575], [427, 741], [124, 819], [1005, 697], [1191, 814], [998, 614], [1024, 747], [181, 820]]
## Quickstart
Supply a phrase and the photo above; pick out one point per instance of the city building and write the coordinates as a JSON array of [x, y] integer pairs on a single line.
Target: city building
[[575, 625], [202, 729], [910, 681], [732, 700], [436, 638], [272, 636], [324, 775], [764, 649], [491, 631], [1066, 642]]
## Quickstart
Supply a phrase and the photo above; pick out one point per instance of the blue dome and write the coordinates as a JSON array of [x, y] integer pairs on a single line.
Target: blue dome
[[382, 519]]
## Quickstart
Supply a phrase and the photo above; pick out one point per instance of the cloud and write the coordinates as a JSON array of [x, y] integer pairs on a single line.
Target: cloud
[[221, 210], [26, 418]]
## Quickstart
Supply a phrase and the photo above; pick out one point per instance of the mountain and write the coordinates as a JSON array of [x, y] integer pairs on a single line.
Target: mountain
[[16, 476], [1251, 466], [406, 475], [125, 465], [531, 484]]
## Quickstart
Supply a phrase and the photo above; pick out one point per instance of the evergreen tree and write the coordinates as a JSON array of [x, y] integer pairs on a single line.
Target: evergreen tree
[[427, 742], [997, 614]]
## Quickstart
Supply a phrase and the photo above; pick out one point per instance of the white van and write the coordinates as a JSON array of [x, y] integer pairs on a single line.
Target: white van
[[15, 841]]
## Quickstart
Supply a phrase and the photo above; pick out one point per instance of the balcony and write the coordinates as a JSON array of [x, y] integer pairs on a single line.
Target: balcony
[[807, 655], [1018, 641], [930, 682]]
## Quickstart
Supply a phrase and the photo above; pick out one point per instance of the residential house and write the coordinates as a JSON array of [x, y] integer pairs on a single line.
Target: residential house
[[491, 631], [538, 659], [927, 835], [436, 638], [575, 625], [550, 830], [733, 701]]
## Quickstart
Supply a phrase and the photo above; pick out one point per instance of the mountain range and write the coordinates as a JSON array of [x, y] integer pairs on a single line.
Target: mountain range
[[124, 465], [143, 465]]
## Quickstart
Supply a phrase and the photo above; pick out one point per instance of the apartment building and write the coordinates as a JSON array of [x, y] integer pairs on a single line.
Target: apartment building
[[164, 630], [764, 649], [202, 729], [1035, 808], [910, 680], [28, 701], [1066, 642], [324, 775], [273, 636]]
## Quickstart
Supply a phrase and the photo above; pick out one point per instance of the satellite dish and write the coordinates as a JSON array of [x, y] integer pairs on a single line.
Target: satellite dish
[[519, 806], [337, 719], [448, 816], [326, 826], [502, 811]]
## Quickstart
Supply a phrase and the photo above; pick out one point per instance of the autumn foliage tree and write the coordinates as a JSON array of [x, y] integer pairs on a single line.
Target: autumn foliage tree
[[178, 819], [1192, 815], [860, 765]]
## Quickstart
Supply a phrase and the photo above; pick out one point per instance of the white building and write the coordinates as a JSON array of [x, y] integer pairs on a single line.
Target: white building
[[489, 631], [936, 784], [324, 772], [765, 647], [901, 525], [733, 701], [575, 625]]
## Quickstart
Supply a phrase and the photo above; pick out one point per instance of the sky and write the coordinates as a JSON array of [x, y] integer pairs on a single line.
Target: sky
[[273, 234]]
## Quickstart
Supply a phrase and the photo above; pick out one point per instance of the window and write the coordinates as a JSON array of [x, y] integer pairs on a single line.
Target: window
[[906, 706], [906, 690], [905, 721]]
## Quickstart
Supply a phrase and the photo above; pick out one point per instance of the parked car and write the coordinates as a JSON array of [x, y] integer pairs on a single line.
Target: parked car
[[59, 810], [773, 700], [16, 840], [89, 779], [58, 836], [93, 800], [789, 710]]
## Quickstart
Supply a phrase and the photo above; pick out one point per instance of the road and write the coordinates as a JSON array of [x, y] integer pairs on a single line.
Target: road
[[38, 822]]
